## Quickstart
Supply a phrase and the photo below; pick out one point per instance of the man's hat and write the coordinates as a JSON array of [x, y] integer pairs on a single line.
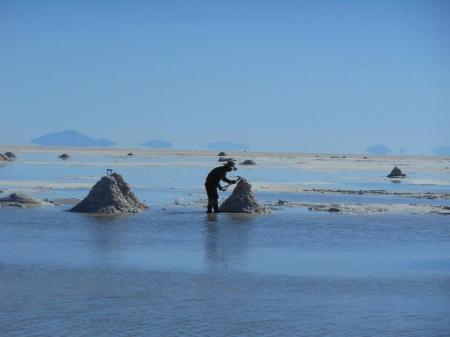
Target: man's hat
[[230, 164]]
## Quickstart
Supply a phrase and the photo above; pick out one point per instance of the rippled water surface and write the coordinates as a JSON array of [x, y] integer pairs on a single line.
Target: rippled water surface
[[183, 273], [176, 271]]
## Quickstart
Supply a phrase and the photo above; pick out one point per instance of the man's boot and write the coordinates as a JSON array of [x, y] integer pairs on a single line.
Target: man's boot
[[216, 207]]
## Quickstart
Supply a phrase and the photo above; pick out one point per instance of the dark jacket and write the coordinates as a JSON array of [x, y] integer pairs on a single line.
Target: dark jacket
[[216, 175]]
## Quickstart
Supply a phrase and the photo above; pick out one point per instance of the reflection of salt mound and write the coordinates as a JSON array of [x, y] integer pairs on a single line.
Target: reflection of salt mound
[[396, 173], [110, 195], [242, 200]]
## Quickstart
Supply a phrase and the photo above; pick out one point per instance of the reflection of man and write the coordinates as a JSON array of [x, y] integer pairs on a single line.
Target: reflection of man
[[213, 183]]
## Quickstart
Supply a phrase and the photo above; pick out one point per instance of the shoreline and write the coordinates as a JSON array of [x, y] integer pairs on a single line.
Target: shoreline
[[364, 209], [257, 187]]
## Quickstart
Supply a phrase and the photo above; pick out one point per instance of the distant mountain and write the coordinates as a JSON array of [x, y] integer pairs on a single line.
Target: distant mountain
[[442, 151], [229, 146], [70, 138], [157, 144], [379, 149]]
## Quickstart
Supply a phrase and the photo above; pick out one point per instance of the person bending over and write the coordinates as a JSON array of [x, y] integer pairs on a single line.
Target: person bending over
[[213, 183]]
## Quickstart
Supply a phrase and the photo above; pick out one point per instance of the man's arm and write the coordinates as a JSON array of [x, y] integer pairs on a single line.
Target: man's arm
[[228, 181]]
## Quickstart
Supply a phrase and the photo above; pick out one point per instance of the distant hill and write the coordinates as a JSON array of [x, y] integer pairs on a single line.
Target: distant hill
[[70, 138], [157, 144], [228, 146], [442, 151], [379, 149]]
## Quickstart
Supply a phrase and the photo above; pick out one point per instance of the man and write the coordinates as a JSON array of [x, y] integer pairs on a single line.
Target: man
[[213, 183]]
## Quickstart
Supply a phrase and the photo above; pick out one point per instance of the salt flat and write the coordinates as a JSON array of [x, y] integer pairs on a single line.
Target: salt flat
[[379, 266]]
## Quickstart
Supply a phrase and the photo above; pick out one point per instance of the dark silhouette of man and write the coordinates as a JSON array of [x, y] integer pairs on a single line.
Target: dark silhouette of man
[[213, 183]]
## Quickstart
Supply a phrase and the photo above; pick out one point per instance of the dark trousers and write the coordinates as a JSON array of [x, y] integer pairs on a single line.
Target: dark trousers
[[213, 197]]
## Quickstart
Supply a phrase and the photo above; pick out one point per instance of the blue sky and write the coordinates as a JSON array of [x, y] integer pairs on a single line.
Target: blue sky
[[325, 76]]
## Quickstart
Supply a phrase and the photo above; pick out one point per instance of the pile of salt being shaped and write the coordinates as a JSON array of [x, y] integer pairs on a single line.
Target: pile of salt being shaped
[[111, 194], [242, 200]]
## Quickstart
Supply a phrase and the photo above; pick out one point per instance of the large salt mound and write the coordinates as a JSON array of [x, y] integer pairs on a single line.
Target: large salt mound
[[242, 200], [111, 194]]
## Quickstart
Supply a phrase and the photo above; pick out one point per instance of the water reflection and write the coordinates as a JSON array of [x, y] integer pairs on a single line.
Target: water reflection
[[227, 240], [396, 181], [106, 233]]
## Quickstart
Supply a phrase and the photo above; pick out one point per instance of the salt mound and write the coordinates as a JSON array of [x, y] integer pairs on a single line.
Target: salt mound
[[225, 159], [111, 194], [10, 155], [242, 200], [19, 200], [396, 173]]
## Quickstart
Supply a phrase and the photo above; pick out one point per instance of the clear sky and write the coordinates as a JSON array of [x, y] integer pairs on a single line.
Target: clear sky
[[326, 76]]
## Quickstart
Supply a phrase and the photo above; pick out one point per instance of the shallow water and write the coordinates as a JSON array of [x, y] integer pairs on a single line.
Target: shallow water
[[176, 271], [181, 272]]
